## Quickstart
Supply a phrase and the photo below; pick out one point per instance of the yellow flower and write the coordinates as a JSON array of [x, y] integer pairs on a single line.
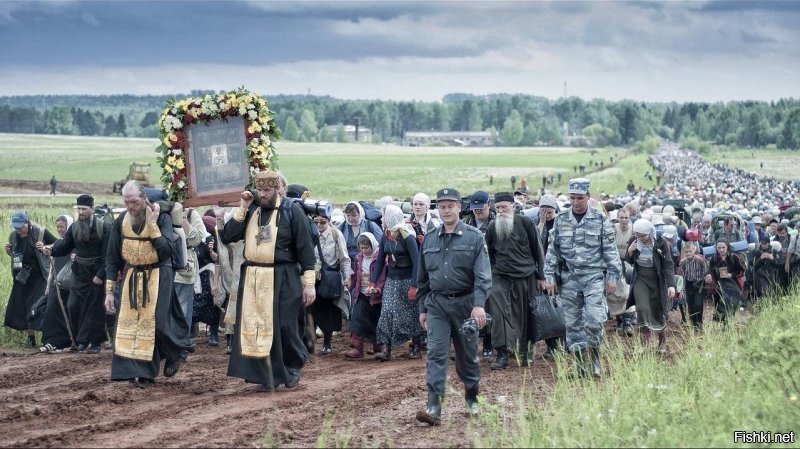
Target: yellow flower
[[168, 169], [255, 127], [172, 137], [179, 164], [171, 160], [166, 141]]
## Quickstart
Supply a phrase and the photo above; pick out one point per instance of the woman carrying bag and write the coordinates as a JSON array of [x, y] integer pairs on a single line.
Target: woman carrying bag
[[334, 278]]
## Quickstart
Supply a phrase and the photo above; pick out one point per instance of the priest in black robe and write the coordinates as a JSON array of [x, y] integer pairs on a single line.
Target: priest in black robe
[[276, 284]]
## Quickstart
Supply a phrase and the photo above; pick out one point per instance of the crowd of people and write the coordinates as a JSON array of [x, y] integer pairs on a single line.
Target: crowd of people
[[272, 277]]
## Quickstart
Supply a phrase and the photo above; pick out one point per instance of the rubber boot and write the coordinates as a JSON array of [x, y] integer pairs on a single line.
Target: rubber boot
[[471, 398], [213, 338], [385, 355], [432, 415], [356, 348], [597, 371]]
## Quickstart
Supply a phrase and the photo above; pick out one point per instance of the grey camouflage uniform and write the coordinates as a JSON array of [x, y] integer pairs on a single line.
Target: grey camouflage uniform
[[589, 260]]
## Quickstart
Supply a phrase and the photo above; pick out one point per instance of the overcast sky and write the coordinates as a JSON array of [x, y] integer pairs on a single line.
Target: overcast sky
[[649, 51]]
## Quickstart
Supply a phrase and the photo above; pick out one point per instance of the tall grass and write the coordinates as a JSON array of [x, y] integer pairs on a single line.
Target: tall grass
[[741, 378]]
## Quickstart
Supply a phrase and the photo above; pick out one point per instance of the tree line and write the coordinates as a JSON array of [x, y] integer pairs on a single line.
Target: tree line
[[513, 120]]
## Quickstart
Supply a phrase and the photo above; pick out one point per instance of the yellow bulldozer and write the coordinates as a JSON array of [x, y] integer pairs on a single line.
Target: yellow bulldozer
[[138, 171]]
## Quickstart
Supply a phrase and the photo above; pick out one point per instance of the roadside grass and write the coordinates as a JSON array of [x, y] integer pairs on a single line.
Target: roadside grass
[[741, 378]]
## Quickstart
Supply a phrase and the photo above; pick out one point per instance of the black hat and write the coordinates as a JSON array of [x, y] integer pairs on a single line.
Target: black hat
[[448, 194], [764, 238], [85, 200], [503, 196], [296, 191]]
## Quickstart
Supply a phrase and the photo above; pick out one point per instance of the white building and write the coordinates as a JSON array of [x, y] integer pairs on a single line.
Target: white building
[[450, 138]]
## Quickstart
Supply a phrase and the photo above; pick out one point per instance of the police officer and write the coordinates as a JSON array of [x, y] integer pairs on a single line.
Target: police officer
[[453, 283], [583, 254]]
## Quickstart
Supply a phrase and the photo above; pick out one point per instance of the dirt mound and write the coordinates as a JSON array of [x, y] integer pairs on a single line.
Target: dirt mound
[[25, 187]]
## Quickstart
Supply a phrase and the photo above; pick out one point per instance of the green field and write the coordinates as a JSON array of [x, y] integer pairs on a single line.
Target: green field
[[337, 172], [783, 165]]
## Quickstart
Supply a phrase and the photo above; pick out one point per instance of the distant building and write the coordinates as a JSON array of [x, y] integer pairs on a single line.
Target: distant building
[[364, 133], [574, 140], [449, 138]]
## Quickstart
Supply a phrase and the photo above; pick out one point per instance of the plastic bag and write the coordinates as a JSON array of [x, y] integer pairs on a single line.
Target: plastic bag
[[547, 316]]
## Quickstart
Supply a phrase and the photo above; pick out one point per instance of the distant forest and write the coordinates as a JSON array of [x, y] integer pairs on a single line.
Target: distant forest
[[514, 120]]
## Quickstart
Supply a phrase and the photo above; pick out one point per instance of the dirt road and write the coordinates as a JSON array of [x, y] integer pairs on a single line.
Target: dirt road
[[67, 400]]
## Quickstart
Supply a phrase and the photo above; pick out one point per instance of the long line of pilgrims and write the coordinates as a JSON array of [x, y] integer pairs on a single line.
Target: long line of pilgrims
[[731, 235]]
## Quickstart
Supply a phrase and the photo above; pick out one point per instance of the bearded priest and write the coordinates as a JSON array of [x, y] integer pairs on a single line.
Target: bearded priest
[[150, 323], [277, 283]]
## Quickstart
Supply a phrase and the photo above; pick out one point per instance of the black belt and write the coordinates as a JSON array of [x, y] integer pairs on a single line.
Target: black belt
[[145, 270], [454, 295], [86, 260], [258, 264]]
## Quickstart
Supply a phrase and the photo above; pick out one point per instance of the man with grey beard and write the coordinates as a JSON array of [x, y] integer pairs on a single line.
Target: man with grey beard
[[516, 259], [88, 237], [150, 323]]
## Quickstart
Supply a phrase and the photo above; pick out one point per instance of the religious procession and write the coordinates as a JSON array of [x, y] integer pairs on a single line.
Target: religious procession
[[476, 279]]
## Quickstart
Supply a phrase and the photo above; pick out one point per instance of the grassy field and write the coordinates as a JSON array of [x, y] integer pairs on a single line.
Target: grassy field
[[783, 165], [337, 172]]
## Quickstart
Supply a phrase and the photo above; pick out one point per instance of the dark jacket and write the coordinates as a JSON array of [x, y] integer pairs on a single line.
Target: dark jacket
[[662, 263]]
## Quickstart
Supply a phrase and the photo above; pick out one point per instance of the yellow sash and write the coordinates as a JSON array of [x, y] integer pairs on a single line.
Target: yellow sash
[[256, 329], [136, 328]]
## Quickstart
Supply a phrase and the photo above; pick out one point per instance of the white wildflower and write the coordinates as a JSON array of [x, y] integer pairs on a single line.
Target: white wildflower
[[652, 432], [717, 394]]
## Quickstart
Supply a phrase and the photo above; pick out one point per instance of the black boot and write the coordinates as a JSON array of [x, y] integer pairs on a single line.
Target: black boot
[[213, 338], [596, 369], [471, 398], [416, 350], [502, 360], [432, 415]]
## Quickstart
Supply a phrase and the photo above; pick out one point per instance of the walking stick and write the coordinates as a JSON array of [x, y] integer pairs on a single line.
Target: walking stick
[[60, 303]]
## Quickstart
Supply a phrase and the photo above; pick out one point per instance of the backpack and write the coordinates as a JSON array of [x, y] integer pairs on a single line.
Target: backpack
[[287, 213], [371, 213]]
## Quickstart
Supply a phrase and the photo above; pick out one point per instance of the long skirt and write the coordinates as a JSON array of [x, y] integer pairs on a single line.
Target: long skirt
[[399, 321], [650, 312], [364, 318], [55, 327], [726, 300], [18, 310], [327, 315], [204, 310]]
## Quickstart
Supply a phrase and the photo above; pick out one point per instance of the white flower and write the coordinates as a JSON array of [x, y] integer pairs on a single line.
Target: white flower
[[709, 355], [649, 386], [717, 394], [502, 400], [652, 432], [662, 387], [181, 184], [252, 115], [242, 110], [734, 355]]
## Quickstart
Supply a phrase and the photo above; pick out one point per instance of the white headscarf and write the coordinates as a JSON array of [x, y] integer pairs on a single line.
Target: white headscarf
[[423, 197], [66, 217], [643, 226], [394, 220]]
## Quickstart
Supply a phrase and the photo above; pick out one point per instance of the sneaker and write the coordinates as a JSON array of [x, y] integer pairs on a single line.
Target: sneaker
[[472, 409], [487, 355], [326, 350], [94, 349]]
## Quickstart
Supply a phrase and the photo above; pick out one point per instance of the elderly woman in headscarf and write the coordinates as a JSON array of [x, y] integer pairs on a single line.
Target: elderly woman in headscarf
[[725, 269], [354, 224], [55, 331], [652, 282], [399, 321], [331, 256], [205, 308]]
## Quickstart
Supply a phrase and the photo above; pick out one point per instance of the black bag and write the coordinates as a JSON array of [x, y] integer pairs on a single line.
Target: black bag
[[23, 274], [330, 284], [547, 316]]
